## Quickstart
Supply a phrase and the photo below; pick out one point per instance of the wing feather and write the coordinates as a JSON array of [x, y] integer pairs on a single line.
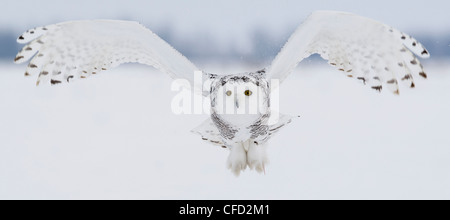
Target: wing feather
[[362, 48], [77, 49]]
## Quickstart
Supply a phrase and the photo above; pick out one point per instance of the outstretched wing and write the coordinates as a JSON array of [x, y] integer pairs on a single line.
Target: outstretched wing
[[362, 48], [77, 49]]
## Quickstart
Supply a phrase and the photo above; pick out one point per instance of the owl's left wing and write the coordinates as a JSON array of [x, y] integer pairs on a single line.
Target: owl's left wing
[[77, 49], [362, 48]]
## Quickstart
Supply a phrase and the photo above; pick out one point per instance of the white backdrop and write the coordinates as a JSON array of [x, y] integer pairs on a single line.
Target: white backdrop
[[113, 136]]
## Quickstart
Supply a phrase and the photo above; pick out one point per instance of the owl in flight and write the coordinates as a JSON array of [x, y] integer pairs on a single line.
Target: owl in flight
[[369, 51]]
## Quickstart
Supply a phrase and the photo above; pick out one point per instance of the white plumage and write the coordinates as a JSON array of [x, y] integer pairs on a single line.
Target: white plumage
[[78, 49], [362, 48]]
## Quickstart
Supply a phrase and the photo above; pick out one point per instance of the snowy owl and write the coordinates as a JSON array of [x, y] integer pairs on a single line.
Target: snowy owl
[[374, 53]]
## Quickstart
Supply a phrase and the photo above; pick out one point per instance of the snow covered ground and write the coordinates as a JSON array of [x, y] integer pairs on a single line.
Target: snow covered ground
[[114, 136]]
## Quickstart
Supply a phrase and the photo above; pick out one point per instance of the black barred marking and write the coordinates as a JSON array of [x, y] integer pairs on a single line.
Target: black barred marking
[[350, 70], [18, 58], [276, 128], [397, 92], [423, 74], [403, 50], [32, 65], [83, 77], [94, 73], [103, 68], [414, 44], [211, 76], [54, 82], [341, 69], [39, 42], [385, 68], [31, 32], [407, 77], [40, 55], [224, 146], [27, 74], [414, 62], [44, 73], [413, 85], [400, 64], [363, 79], [44, 29], [69, 77], [424, 52], [333, 64], [403, 37], [84, 71], [28, 48], [378, 88], [392, 81], [226, 131], [21, 37], [376, 78], [380, 55]]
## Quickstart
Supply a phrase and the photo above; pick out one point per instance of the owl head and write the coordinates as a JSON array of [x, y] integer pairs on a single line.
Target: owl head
[[240, 98]]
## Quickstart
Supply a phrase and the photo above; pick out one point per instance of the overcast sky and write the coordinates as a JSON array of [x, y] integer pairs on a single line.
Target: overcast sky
[[228, 23], [224, 18]]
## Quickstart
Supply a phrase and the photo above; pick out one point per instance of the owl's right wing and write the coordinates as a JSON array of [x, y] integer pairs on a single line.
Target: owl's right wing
[[77, 49], [360, 47]]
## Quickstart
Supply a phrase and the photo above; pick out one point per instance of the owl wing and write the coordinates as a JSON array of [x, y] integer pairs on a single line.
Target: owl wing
[[360, 47], [209, 133], [77, 49]]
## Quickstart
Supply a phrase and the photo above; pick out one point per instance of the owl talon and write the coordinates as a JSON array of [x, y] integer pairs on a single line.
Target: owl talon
[[257, 158], [237, 160]]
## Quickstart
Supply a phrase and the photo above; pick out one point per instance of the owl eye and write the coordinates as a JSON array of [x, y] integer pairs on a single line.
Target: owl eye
[[248, 93], [228, 93]]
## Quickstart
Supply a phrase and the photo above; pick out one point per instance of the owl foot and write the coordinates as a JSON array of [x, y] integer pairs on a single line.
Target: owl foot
[[237, 160], [257, 157]]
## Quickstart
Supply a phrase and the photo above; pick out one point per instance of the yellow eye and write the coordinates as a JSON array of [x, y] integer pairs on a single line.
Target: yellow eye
[[228, 93], [248, 92]]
